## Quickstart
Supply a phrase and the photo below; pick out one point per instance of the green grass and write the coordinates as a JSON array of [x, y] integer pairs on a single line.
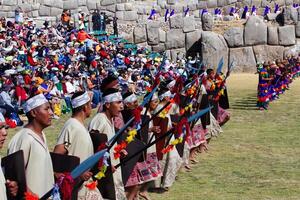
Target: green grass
[[257, 156]]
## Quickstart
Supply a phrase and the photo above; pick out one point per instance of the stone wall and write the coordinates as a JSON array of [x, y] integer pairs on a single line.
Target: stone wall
[[256, 40]]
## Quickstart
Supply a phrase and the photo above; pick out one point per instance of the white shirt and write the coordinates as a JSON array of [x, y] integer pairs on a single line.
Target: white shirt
[[101, 123], [75, 136], [38, 164]]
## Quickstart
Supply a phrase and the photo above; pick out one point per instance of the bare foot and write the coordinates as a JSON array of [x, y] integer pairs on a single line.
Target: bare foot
[[144, 195]]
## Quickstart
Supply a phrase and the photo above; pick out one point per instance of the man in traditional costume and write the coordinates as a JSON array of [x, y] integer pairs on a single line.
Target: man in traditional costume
[[74, 136], [171, 161], [104, 123], [31, 139]]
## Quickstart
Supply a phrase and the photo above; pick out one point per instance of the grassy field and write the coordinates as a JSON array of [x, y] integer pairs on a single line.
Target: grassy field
[[257, 156]]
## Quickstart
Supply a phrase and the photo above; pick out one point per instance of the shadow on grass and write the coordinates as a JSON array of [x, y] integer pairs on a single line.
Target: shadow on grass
[[245, 103]]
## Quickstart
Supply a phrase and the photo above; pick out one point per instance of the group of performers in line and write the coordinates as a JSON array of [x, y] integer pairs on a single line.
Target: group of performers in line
[[275, 78], [162, 120]]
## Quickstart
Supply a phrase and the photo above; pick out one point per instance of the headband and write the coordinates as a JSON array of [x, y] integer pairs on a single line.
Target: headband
[[80, 100], [113, 97], [130, 99], [34, 102]]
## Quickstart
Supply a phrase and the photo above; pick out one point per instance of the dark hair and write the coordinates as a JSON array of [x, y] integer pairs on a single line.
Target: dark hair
[[29, 116], [75, 95], [208, 71]]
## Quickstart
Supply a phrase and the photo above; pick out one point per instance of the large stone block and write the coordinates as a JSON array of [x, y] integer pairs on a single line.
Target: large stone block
[[9, 2], [153, 33], [120, 7], [139, 35], [234, 37], [207, 22], [162, 36], [255, 31], [297, 30], [130, 15], [201, 5], [176, 21], [111, 8], [212, 3], [6, 8], [47, 2], [231, 2], [243, 59], [171, 2], [188, 24], [70, 4], [36, 6], [55, 11], [191, 6], [159, 48], [91, 4], [35, 13], [120, 15], [286, 35], [272, 35], [221, 3], [192, 39], [11, 14], [81, 2], [26, 7], [44, 11], [128, 6], [213, 48], [175, 39], [268, 53], [108, 2]]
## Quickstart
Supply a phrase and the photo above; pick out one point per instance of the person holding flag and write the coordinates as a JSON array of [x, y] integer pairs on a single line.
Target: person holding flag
[[74, 136], [104, 123]]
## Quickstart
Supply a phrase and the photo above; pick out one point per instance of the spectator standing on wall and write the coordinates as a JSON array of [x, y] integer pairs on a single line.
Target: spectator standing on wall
[[19, 15]]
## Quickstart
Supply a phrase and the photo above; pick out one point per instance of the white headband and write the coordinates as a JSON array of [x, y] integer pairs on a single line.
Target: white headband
[[80, 100], [113, 98], [166, 94], [130, 99], [34, 102]]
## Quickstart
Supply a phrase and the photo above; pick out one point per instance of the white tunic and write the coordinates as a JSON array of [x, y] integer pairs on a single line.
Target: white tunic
[[2, 185], [38, 164], [75, 136], [101, 123], [76, 139]]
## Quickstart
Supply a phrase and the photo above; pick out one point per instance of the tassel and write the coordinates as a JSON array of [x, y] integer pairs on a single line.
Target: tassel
[[66, 184], [137, 114], [30, 196], [92, 185]]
